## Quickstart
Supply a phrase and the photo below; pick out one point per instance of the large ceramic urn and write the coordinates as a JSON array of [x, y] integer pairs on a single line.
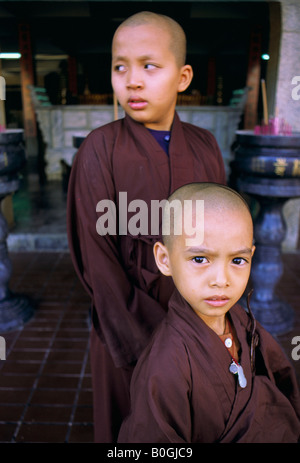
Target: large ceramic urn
[[267, 168]]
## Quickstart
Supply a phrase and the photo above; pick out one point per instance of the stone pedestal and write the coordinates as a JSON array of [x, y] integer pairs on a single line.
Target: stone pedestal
[[266, 168], [276, 315], [15, 310]]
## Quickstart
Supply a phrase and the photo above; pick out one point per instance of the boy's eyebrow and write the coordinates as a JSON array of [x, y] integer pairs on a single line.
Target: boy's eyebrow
[[118, 58], [140, 58], [145, 57], [199, 250], [242, 251]]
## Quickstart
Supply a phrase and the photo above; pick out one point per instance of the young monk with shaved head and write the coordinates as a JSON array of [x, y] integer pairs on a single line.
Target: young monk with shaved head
[[146, 155], [210, 373]]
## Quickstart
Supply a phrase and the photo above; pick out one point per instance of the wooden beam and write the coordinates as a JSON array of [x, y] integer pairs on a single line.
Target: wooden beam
[[27, 78], [253, 78]]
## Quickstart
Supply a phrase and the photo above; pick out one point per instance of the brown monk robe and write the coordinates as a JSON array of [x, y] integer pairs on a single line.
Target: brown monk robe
[[129, 295], [183, 391]]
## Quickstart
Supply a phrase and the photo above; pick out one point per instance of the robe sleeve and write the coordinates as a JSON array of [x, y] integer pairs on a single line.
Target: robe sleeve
[[280, 369], [160, 396], [123, 313]]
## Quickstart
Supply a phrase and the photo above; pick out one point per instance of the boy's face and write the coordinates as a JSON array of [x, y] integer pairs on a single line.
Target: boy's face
[[212, 276], [145, 75]]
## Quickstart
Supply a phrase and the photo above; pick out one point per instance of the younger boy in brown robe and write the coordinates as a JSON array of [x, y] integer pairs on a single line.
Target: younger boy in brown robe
[[146, 155], [211, 373]]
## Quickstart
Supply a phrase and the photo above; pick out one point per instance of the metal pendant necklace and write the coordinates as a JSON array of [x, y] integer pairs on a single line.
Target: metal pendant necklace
[[235, 368]]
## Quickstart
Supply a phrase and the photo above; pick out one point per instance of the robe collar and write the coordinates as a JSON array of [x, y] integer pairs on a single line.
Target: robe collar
[[180, 159], [207, 340]]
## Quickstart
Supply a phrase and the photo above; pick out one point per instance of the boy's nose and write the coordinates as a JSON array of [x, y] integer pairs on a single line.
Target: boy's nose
[[220, 278], [134, 79]]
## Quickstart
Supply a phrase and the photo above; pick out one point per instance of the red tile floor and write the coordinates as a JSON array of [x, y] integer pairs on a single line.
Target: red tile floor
[[45, 381]]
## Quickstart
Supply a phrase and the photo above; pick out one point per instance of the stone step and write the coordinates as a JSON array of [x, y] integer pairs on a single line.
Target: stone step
[[29, 242]]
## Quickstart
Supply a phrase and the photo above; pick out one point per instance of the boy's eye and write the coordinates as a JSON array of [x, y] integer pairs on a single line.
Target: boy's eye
[[200, 260], [150, 66], [119, 68], [239, 261]]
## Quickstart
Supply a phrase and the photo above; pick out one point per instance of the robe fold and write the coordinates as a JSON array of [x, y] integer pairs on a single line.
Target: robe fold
[[183, 392], [129, 295]]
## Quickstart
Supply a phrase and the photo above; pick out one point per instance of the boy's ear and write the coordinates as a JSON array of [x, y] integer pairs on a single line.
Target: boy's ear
[[186, 75], [162, 260]]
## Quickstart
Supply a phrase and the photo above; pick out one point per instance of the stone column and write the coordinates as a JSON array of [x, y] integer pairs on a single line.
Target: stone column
[[289, 63], [288, 66]]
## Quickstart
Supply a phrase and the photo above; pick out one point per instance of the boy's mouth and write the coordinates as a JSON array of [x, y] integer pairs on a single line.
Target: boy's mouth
[[137, 103], [217, 301]]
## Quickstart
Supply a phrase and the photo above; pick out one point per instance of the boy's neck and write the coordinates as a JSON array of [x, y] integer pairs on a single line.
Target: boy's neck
[[158, 126], [166, 125], [158, 130], [217, 324]]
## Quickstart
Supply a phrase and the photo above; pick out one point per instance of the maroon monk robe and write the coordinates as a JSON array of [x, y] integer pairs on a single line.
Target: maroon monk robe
[[129, 295], [182, 390]]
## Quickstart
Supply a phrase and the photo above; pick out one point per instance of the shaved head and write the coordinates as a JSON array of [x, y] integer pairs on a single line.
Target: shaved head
[[212, 272], [217, 200], [177, 35]]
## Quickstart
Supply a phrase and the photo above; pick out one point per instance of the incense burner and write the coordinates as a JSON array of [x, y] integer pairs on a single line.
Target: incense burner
[[271, 156], [267, 168]]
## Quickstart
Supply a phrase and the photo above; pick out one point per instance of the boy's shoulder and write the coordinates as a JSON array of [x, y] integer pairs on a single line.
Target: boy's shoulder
[[99, 142], [189, 127], [192, 131], [167, 347], [115, 132], [109, 128], [167, 330]]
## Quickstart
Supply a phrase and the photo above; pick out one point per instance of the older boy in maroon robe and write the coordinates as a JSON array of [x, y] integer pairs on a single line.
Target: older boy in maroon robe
[[146, 155], [211, 373]]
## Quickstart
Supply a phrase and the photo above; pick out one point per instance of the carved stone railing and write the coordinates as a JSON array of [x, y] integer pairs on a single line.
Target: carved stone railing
[[60, 123]]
